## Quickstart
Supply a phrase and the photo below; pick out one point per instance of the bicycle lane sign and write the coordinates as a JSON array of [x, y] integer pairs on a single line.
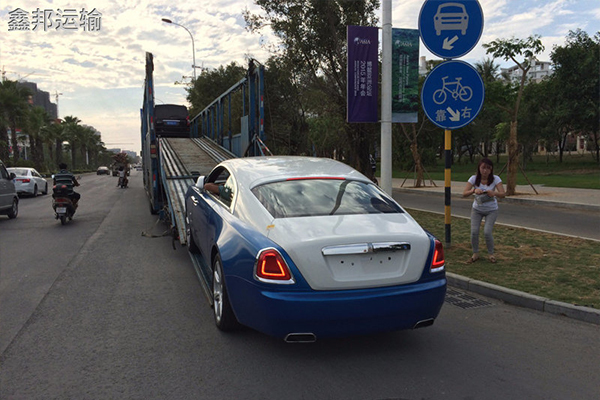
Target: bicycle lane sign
[[452, 94]]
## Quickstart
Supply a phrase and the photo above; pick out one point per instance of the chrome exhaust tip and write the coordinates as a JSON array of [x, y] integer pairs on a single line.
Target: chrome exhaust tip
[[424, 323], [300, 338]]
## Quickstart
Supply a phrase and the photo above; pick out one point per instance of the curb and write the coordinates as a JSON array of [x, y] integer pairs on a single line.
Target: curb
[[516, 199], [525, 300]]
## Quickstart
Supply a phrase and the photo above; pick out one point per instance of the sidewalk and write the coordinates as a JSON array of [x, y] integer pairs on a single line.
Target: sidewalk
[[579, 199]]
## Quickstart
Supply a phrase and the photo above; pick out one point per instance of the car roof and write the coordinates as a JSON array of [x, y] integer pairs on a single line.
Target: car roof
[[258, 170]]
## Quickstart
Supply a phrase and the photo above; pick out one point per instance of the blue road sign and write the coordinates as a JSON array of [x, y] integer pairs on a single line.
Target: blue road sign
[[450, 29], [452, 94]]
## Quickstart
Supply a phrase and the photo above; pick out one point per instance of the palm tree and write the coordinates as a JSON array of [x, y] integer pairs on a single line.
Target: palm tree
[[37, 120], [13, 111], [71, 135], [488, 70]]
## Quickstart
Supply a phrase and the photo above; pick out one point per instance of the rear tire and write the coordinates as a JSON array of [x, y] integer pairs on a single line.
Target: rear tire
[[14, 211], [224, 317], [46, 189], [63, 219], [35, 190]]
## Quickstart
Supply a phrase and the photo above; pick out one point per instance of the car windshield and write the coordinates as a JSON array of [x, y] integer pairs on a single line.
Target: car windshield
[[18, 171], [315, 197]]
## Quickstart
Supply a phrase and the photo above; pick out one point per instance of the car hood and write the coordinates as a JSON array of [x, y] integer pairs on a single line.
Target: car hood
[[354, 251]]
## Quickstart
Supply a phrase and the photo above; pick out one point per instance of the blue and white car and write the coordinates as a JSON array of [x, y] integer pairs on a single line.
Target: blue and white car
[[301, 248]]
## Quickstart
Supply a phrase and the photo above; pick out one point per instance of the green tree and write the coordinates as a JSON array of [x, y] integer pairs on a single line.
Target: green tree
[[210, 84], [576, 79], [313, 46], [14, 108], [522, 53], [37, 120], [72, 134]]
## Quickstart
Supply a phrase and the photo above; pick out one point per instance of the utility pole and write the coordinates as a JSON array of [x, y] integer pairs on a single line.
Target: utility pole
[[57, 94], [386, 98]]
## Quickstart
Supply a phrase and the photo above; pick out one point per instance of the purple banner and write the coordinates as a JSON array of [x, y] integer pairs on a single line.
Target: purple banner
[[363, 73]]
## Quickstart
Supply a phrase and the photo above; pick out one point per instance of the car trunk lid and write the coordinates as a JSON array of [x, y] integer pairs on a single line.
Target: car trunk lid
[[354, 251]]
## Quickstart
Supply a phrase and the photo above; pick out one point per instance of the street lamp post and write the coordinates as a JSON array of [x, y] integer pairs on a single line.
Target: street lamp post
[[168, 21]]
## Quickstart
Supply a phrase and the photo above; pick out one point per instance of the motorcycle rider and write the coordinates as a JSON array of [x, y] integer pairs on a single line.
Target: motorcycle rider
[[122, 177], [64, 177]]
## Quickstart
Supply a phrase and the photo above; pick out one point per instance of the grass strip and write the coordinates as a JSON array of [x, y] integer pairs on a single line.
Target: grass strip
[[557, 267]]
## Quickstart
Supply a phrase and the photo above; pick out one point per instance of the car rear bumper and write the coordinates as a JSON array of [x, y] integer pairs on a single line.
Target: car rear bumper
[[336, 313]]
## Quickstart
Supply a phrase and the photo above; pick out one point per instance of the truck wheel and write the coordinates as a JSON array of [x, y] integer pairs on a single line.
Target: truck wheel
[[224, 317], [12, 213]]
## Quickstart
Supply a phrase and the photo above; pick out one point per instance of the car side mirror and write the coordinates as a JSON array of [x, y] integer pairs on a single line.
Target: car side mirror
[[12, 176], [200, 182]]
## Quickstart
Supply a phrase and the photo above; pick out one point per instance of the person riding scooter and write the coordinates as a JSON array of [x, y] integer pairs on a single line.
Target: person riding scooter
[[64, 177], [123, 181]]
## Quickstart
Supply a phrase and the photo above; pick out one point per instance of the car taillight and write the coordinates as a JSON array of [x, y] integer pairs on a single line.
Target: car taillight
[[271, 267], [438, 263], [24, 180]]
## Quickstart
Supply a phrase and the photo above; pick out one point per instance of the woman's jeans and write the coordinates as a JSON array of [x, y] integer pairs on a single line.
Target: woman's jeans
[[490, 220]]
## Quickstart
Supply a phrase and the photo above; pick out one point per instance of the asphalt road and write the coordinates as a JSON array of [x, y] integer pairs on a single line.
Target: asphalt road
[[95, 310], [579, 223]]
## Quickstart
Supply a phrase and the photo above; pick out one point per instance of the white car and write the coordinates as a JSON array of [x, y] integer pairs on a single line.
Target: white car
[[29, 181], [300, 247]]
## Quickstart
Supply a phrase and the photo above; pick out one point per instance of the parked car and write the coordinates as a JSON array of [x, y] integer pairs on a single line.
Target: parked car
[[29, 181], [171, 120], [302, 247], [103, 171], [9, 201]]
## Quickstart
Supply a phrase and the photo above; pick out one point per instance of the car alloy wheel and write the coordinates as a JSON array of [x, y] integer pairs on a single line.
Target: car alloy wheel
[[224, 317]]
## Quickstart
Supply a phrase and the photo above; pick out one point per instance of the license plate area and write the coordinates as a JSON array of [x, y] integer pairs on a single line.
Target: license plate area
[[61, 210], [367, 266]]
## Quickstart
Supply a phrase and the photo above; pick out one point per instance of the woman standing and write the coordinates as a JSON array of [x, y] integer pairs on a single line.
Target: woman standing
[[486, 187]]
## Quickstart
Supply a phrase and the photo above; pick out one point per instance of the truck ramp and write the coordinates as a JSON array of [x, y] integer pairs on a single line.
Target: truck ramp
[[183, 160]]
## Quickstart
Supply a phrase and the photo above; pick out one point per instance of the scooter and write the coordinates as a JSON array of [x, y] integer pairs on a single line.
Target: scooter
[[63, 206], [123, 182]]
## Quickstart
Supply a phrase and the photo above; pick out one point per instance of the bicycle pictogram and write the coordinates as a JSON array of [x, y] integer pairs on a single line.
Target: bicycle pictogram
[[461, 92]]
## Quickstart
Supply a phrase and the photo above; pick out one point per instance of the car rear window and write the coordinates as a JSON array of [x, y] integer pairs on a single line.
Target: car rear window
[[18, 171], [315, 197], [167, 111]]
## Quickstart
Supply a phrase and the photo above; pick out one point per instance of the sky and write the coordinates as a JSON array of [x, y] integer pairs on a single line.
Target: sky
[[98, 68]]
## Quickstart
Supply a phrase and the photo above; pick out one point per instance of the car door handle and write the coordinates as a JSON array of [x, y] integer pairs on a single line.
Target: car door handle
[[194, 200]]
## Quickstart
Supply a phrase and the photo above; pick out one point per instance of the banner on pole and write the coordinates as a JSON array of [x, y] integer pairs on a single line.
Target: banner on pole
[[363, 74], [405, 75]]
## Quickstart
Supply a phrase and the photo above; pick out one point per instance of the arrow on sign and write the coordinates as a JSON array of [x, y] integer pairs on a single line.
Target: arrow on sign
[[454, 115], [448, 43]]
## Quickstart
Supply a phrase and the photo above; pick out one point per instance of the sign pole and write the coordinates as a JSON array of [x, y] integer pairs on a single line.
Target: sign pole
[[386, 98], [447, 185]]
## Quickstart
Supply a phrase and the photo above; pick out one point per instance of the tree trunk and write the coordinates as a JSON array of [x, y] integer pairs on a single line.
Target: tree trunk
[[418, 163], [58, 151], [3, 143], [513, 160], [15, 145]]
